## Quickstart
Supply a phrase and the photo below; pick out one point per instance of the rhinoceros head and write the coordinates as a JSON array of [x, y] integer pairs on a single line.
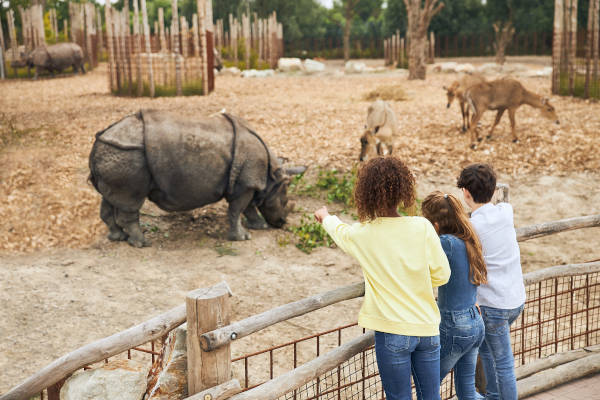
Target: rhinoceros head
[[274, 206]]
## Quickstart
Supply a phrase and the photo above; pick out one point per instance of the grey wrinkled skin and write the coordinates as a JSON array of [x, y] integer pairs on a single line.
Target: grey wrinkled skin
[[53, 58], [181, 165]]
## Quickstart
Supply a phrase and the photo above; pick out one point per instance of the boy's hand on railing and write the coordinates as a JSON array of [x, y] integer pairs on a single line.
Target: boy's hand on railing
[[321, 213]]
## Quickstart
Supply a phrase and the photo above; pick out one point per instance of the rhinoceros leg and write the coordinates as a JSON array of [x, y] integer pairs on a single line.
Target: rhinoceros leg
[[254, 220], [130, 222], [107, 213], [236, 206]]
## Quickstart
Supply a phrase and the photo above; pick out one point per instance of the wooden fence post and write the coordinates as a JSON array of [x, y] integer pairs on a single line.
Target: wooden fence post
[[572, 45], [109, 45], [203, 46], [2, 73], [207, 309], [557, 45], [137, 48], [175, 33], [147, 44]]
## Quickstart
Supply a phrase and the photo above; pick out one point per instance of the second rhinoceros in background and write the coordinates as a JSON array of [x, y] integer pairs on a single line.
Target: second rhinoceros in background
[[53, 58], [184, 164]]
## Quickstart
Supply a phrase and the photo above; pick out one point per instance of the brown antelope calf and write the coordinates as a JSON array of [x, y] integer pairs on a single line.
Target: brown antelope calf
[[457, 90], [380, 130], [503, 94]]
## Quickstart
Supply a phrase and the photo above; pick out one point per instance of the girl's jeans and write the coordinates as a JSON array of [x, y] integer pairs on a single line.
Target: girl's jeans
[[398, 356], [461, 334], [496, 353]]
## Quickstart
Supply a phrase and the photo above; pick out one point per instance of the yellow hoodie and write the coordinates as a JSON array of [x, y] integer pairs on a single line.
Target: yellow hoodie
[[402, 260]]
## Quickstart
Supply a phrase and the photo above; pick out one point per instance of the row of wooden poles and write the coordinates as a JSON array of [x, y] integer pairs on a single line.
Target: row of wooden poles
[[568, 69], [263, 36], [394, 50], [182, 56], [86, 24]]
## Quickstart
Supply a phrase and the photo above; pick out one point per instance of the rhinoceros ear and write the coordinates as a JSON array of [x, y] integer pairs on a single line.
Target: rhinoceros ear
[[295, 170]]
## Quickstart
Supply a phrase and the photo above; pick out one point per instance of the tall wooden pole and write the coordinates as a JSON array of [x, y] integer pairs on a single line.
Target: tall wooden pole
[[2, 73], [137, 48], [596, 45], [207, 309], [204, 55], [557, 45], [147, 40], [175, 33], [109, 43], [572, 45]]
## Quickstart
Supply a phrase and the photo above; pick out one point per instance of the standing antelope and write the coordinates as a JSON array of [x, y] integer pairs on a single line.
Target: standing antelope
[[503, 94], [457, 90], [380, 130]]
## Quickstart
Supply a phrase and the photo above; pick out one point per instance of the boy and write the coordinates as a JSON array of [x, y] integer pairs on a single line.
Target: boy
[[501, 300]]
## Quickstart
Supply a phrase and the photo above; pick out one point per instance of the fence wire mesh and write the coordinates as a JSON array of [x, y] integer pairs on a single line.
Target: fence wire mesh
[[560, 314]]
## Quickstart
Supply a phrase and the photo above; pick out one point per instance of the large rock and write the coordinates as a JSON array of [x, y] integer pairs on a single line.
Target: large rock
[[489, 68], [465, 68], [168, 378], [312, 66], [231, 71], [355, 67], [117, 380], [253, 73], [289, 64]]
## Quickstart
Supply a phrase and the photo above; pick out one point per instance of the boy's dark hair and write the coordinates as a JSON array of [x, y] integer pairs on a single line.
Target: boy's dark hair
[[479, 180], [382, 184]]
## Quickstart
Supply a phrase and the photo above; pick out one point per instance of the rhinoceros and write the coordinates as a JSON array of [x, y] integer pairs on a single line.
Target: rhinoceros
[[184, 164], [53, 58]]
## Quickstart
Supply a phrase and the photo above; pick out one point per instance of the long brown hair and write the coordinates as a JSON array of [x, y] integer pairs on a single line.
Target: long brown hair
[[447, 212]]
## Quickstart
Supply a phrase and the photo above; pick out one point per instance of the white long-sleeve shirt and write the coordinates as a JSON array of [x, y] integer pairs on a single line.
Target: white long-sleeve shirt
[[494, 225]]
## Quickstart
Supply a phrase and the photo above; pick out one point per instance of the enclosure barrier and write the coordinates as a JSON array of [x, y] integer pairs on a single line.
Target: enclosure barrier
[[562, 313]]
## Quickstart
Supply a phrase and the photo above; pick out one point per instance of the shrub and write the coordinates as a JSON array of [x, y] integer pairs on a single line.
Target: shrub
[[310, 235]]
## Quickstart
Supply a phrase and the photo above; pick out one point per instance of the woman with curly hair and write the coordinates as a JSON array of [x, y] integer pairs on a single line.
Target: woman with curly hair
[[462, 329], [402, 260]]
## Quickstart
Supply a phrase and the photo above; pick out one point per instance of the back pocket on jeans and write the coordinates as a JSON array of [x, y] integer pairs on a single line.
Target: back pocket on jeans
[[396, 343], [463, 343]]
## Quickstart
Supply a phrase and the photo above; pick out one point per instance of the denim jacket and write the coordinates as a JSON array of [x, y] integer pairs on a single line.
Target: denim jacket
[[459, 293]]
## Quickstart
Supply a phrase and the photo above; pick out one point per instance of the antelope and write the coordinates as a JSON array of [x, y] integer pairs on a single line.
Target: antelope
[[380, 130], [457, 90], [503, 94]]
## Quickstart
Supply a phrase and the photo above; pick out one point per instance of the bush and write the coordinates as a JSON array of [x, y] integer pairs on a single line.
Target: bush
[[339, 188], [310, 235]]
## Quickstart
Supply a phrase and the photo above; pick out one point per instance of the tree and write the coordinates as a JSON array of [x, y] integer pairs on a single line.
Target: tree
[[501, 13], [351, 9], [419, 19]]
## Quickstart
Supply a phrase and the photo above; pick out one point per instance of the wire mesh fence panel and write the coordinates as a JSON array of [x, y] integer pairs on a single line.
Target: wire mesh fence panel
[[560, 314]]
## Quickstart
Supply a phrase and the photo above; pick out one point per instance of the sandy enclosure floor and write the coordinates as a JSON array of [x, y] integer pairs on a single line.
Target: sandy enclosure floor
[[62, 284]]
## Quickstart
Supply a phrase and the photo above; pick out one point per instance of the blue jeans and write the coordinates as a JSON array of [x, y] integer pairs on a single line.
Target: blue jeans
[[461, 334], [398, 356], [496, 353]]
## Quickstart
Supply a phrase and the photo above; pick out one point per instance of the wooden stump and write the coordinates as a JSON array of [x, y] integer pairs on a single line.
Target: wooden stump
[[207, 309]]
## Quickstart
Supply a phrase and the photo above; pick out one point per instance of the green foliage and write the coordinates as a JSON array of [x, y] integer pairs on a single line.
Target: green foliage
[[226, 249], [339, 187], [578, 86], [193, 88], [310, 235]]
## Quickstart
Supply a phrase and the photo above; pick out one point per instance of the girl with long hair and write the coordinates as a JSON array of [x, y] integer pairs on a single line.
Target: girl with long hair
[[461, 329], [401, 259]]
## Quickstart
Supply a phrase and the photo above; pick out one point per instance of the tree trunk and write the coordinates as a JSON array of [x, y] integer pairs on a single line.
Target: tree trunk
[[504, 34], [557, 45], [347, 26], [419, 16]]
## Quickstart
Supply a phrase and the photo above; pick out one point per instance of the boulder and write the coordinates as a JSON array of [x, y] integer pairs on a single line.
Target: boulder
[[253, 73], [355, 67], [312, 66], [117, 380], [489, 68], [465, 68], [168, 377], [231, 71], [448, 67], [289, 64]]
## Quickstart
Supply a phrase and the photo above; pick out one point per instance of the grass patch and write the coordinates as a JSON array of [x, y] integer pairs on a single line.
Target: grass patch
[[226, 249], [193, 88], [339, 187], [388, 93], [579, 86], [22, 73], [310, 235], [9, 132]]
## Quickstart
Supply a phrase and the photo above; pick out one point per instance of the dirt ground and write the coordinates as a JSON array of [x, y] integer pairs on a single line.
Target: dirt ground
[[63, 284]]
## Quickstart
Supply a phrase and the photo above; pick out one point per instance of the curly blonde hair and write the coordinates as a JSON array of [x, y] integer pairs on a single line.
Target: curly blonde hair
[[383, 184]]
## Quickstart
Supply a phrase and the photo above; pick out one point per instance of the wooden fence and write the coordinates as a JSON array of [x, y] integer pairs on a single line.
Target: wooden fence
[[178, 60], [575, 50], [251, 42], [562, 314]]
